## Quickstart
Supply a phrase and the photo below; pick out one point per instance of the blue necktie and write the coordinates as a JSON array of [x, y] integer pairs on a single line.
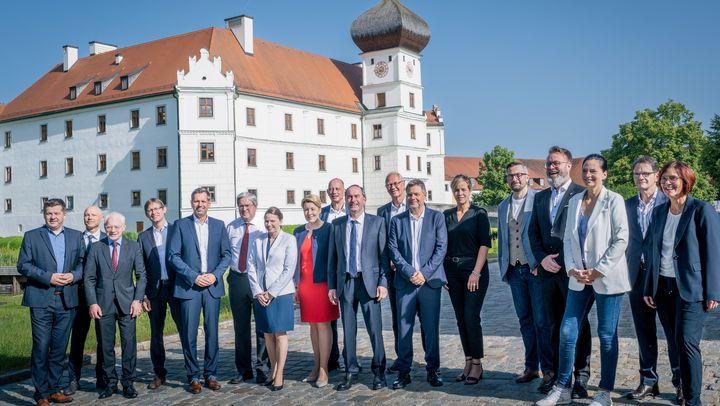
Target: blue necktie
[[353, 249]]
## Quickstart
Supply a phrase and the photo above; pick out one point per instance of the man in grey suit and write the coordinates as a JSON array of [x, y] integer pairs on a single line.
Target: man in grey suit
[[517, 268], [113, 298], [417, 244], [160, 288], [357, 264], [51, 258]]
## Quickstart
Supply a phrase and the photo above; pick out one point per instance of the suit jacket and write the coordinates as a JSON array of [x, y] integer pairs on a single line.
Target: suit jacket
[[604, 246], [697, 244], [272, 271], [636, 239], [546, 237], [320, 246], [37, 262], [325, 211], [503, 247], [103, 286], [152, 261], [373, 254], [433, 246], [384, 212], [184, 254]]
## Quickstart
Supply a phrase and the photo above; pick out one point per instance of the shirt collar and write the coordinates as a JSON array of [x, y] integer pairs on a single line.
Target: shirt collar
[[196, 220], [359, 220], [96, 234], [342, 209], [564, 187], [402, 204], [652, 199], [62, 230], [418, 218], [119, 241], [161, 229]]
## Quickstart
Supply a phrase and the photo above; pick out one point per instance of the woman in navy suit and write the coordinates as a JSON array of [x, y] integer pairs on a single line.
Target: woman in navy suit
[[684, 278]]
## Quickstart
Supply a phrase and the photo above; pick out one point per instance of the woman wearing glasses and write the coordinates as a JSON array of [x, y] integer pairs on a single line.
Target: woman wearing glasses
[[683, 281]]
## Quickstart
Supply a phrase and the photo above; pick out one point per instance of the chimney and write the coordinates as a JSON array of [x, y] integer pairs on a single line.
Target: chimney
[[118, 59], [242, 28], [99, 47], [70, 56]]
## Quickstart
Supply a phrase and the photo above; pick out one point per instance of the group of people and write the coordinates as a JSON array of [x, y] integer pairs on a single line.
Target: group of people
[[560, 250]]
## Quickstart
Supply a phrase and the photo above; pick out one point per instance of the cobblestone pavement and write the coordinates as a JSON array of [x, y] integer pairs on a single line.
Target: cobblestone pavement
[[503, 360]]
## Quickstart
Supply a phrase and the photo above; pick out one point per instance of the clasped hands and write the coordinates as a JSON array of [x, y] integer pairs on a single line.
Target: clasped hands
[[585, 276], [136, 309], [205, 279], [61, 279], [417, 279], [264, 298], [380, 294]]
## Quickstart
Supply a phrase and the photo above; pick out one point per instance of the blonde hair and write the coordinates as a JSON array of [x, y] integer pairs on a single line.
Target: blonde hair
[[314, 199]]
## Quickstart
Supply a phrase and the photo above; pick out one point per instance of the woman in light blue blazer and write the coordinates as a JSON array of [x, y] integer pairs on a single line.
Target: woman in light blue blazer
[[271, 267], [596, 236]]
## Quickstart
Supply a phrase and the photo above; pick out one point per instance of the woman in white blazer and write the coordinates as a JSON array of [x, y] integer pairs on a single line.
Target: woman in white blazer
[[271, 268], [596, 235]]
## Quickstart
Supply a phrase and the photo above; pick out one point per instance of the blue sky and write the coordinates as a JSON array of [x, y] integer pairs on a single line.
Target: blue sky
[[522, 74]]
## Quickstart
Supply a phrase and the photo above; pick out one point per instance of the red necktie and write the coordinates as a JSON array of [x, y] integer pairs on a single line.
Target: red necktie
[[242, 258], [115, 256]]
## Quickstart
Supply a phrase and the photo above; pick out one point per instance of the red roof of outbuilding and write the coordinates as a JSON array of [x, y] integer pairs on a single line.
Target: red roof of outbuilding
[[470, 166]]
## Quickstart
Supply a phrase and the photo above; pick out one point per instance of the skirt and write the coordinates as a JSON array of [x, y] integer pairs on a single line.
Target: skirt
[[277, 317]]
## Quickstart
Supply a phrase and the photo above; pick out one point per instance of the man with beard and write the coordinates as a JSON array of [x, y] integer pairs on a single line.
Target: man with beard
[[547, 227]]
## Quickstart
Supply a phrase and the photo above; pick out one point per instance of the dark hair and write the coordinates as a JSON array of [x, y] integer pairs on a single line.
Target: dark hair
[[53, 203], [200, 190], [685, 173], [597, 157], [153, 200], [460, 178], [415, 182], [274, 210], [560, 150], [357, 186], [515, 163], [646, 159]]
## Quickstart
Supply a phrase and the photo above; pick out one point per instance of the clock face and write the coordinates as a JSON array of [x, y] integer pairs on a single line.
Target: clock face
[[410, 68], [381, 69]]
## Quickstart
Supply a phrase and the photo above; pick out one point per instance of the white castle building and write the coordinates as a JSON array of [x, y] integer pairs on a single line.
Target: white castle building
[[222, 109]]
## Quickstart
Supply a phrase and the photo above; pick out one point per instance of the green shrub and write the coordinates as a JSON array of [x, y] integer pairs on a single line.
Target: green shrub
[[11, 242], [130, 235]]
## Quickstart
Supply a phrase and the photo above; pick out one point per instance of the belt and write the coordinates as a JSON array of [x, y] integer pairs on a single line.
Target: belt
[[457, 259], [348, 276], [58, 293], [518, 264]]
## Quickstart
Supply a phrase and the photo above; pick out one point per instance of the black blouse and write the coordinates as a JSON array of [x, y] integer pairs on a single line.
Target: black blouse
[[466, 236]]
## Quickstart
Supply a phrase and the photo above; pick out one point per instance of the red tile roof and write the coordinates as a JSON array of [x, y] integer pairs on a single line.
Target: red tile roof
[[431, 118], [2, 107], [455, 165], [274, 70]]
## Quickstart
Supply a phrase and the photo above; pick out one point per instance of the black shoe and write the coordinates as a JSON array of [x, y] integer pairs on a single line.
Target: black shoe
[[393, 369], [72, 388], [129, 392], [579, 391], [274, 388], [548, 381], [107, 392], [679, 398], [347, 383], [333, 365], [643, 391], [247, 377], [402, 380], [434, 378], [260, 376], [379, 381]]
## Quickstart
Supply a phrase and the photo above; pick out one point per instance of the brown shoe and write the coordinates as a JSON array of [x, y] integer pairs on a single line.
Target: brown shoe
[[60, 397], [212, 384], [156, 382], [42, 402], [527, 376], [194, 387]]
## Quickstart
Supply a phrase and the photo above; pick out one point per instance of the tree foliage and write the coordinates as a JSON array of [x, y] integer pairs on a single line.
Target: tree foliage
[[711, 153], [491, 176], [670, 132]]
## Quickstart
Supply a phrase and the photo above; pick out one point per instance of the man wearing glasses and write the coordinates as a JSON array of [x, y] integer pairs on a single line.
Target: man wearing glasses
[[547, 228]]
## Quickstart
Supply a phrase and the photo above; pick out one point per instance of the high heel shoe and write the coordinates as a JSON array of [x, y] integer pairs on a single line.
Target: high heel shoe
[[472, 380], [466, 370], [319, 384], [274, 388], [269, 382]]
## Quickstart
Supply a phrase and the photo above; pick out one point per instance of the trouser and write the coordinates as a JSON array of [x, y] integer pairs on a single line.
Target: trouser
[[425, 302], [157, 315], [527, 298], [80, 329], [241, 305], [467, 306], [190, 310], [355, 294], [105, 330]]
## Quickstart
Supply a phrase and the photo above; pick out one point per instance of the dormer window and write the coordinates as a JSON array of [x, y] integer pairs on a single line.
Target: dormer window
[[73, 92], [123, 82], [97, 88]]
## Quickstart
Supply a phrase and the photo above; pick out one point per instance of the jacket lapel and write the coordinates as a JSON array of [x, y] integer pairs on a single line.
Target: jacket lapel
[[600, 205], [570, 192], [527, 210], [503, 210], [104, 251], [46, 239], [194, 233], [687, 215]]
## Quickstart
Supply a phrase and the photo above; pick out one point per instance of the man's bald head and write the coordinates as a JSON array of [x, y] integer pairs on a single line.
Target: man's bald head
[[92, 217]]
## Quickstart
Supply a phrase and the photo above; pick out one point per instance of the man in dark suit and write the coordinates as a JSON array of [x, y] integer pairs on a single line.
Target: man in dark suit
[[334, 210], [51, 258], [199, 251], [547, 227], [160, 289], [395, 186], [92, 217], [113, 298], [417, 244], [357, 264], [639, 210]]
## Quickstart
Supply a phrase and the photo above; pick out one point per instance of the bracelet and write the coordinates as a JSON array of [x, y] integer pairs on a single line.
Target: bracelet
[[477, 274]]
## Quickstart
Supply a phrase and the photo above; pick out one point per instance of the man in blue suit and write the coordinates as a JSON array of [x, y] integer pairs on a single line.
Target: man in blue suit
[[357, 264], [199, 251], [639, 210], [51, 258], [517, 268], [160, 288], [417, 244]]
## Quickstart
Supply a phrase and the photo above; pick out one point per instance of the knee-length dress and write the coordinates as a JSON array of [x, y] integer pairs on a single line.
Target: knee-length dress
[[315, 307]]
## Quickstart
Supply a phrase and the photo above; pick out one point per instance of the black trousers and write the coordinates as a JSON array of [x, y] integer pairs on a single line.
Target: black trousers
[[80, 329], [105, 330], [555, 290], [392, 295], [157, 315], [467, 306], [241, 305]]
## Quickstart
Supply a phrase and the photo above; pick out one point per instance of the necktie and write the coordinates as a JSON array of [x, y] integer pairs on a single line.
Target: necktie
[[90, 239], [353, 249], [242, 258], [115, 256]]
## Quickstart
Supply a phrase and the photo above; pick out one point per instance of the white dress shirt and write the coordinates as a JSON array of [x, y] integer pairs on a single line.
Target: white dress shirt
[[201, 230], [160, 236], [556, 196], [95, 235], [333, 214], [416, 224], [359, 229], [394, 211], [236, 232]]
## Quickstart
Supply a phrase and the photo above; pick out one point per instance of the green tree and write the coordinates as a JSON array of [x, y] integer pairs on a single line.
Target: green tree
[[711, 153], [668, 133], [491, 176]]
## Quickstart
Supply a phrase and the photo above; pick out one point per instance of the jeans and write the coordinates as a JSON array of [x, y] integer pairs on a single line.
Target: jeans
[[578, 306], [527, 297]]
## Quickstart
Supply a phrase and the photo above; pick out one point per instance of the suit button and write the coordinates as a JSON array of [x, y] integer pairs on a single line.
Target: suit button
[[675, 257]]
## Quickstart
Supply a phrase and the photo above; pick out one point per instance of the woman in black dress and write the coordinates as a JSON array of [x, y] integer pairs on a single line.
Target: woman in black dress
[[467, 273]]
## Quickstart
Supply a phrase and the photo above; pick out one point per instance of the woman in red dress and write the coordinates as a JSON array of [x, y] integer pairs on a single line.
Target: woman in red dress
[[311, 276]]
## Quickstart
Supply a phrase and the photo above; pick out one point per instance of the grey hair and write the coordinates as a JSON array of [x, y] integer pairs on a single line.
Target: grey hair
[[115, 214], [357, 186], [247, 195], [415, 182]]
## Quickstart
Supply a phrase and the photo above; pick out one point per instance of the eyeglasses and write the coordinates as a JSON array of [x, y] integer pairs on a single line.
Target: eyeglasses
[[396, 184], [515, 175], [549, 164], [643, 174], [671, 179]]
